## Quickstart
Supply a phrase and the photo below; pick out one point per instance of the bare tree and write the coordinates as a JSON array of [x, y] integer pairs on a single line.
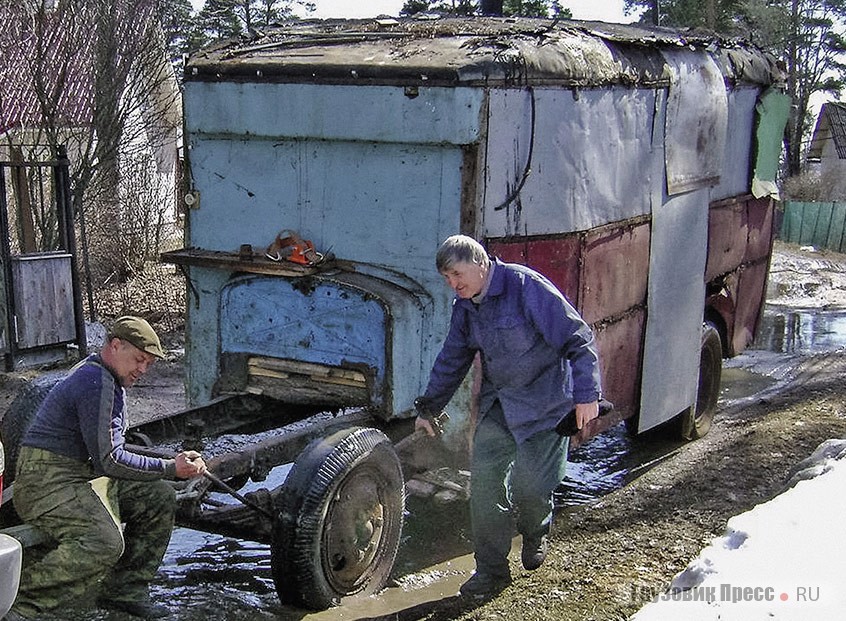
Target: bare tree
[[99, 77]]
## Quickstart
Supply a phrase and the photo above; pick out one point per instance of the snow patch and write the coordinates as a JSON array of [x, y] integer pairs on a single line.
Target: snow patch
[[783, 560]]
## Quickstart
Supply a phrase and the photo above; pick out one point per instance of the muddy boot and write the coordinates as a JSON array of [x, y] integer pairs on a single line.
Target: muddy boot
[[484, 585]]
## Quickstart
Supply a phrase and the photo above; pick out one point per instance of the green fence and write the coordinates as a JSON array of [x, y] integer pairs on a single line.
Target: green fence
[[815, 224]]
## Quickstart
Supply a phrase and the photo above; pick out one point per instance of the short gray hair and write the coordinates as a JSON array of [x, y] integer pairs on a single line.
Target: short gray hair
[[460, 249]]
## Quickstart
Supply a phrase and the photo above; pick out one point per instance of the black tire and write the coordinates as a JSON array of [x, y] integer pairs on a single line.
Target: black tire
[[696, 423], [339, 519], [20, 415]]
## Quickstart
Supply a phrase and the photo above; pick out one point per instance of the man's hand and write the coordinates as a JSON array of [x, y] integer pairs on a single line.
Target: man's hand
[[426, 425], [429, 419], [586, 412], [189, 465]]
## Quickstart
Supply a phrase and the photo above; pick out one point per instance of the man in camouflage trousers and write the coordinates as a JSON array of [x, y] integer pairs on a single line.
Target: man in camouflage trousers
[[77, 482]]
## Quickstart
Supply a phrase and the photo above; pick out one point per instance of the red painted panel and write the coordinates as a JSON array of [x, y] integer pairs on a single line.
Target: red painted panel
[[724, 302], [750, 296], [760, 229], [620, 347], [727, 233], [616, 267], [557, 259]]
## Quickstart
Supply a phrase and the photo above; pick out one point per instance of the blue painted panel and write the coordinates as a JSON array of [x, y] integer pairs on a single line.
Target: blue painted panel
[[340, 319], [385, 204], [329, 325], [370, 113]]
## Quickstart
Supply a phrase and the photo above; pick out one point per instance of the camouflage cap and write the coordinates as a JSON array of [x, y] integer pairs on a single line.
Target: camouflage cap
[[138, 332]]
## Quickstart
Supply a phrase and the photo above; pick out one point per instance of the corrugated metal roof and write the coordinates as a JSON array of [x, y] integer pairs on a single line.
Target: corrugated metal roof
[[468, 51], [831, 125]]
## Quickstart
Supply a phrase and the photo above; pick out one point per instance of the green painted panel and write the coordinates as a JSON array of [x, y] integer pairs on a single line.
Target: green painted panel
[[810, 213], [822, 225], [819, 238], [791, 223], [773, 110], [836, 237]]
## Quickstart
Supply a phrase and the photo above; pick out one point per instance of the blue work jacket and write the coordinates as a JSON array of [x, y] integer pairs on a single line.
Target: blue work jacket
[[538, 355]]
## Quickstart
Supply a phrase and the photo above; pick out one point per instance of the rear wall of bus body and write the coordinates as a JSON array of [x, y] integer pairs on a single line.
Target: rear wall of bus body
[[596, 153]]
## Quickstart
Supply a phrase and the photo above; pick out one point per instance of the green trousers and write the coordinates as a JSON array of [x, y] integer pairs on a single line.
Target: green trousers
[[511, 485], [94, 555]]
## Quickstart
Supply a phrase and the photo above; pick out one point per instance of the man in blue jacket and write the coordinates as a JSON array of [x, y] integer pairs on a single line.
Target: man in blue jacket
[[538, 361], [77, 482]]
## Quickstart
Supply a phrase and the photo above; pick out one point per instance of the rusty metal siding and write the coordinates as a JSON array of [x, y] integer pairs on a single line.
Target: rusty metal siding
[[728, 232], [752, 288], [558, 259], [620, 355], [603, 273], [760, 220], [614, 273], [740, 233]]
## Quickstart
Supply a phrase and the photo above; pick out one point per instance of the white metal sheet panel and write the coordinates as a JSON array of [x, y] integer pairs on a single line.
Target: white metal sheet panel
[[696, 122], [590, 152], [736, 166], [674, 307]]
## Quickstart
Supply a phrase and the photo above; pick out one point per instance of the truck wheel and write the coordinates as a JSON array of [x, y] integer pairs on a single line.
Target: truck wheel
[[20, 415], [697, 423], [339, 518]]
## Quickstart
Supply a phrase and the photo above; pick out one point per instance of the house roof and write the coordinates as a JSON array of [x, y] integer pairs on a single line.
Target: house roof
[[831, 125], [53, 55], [469, 51]]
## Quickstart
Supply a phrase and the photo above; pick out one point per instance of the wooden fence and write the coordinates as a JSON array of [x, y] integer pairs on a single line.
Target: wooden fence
[[822, 225]]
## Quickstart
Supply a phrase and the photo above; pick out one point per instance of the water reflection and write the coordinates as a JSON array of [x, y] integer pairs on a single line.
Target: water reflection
[[597, 467], [790, 330]]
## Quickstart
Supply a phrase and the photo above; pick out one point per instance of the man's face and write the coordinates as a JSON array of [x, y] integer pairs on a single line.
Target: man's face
[[128, 362], [466, 279]]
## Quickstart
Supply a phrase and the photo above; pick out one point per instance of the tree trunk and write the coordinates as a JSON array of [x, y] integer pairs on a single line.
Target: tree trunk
[[491, 7], [711, 14], [793, 139]]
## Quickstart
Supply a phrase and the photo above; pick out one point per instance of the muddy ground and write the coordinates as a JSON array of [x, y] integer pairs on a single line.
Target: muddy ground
[[609, 556]]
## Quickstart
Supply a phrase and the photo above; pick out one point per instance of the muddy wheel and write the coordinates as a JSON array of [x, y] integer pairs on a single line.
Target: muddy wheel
[[697, 422], [20, 415], [339, 519]]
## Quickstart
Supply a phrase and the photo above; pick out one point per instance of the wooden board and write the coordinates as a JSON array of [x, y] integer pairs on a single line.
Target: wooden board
[[253, 262]]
